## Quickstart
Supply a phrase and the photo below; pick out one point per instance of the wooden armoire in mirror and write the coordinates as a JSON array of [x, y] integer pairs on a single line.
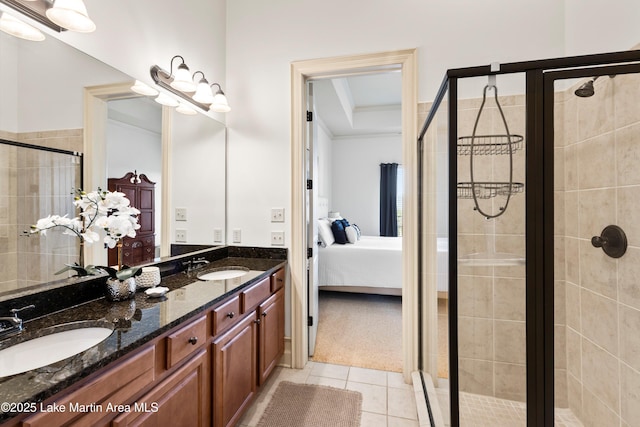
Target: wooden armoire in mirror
[[140, 191]]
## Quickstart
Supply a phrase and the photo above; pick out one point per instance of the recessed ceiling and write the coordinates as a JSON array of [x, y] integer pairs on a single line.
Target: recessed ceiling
[[367, 104]]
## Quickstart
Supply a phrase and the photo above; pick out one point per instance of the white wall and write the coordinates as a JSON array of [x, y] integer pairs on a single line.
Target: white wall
[[8, 87], [198, 173], [447, 34], [324, 158], [356, 177]]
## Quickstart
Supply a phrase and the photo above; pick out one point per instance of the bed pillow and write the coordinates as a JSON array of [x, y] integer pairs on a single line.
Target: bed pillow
[[325, 234], [352, 234], [357, 229], [339, 233]]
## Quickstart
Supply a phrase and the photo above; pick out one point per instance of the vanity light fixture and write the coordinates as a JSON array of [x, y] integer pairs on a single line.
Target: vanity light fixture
[[165, 99], [18, 28], [143, 89], [59, 15], [183, 108], [183, 85], [72, 15]]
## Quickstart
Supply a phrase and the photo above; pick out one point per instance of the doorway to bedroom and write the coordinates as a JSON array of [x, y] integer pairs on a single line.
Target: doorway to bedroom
[[355, 219]]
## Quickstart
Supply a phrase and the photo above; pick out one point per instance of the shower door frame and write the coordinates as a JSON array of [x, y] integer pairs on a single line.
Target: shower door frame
[[539, 214]]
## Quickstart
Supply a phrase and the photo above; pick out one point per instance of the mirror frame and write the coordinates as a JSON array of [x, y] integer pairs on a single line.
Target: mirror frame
[[95, 171]]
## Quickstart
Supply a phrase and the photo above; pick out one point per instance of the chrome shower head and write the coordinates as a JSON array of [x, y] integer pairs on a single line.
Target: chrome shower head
[[586, 90]]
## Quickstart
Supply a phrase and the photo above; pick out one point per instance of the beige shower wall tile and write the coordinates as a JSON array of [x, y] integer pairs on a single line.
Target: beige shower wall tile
[[467, 119], [560, 388], [595, 114], [558, 169], [560, 302], [628, 155], [628, 208], [573, 306], [630, 394], [475, 338], [595, 413], [600, 373], [559, 261], [476, 376], [570, 123], [574, 353], [574, 395], [629, 337], [475, 296], [559, 108], [516, 120], [509, 298], [600, 320], [513, 220], [597, 162], [511, 381], [598, 272], [571, 209], [627, 93], [559, 228], [510, 342], [560, 347], [629, 277], [572, 260], [571, 167]]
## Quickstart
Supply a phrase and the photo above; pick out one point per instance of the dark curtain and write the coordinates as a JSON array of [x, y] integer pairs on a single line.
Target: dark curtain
[[388, 193]]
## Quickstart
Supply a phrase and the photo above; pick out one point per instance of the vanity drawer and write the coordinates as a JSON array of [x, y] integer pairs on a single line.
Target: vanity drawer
[[253, 296], [277, 280], [226, 315], [116, 386], [186, 340]]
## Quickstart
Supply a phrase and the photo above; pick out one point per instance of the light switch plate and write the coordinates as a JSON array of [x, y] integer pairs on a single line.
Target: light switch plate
[[217, 235], [237, 235], [277, 215], [277, 238], [181, 214], [181, 236]]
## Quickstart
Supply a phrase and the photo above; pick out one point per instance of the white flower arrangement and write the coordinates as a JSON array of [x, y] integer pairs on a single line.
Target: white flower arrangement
[[100, 210]]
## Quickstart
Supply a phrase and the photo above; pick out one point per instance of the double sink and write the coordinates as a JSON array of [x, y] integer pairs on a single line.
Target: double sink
[[63, 341]]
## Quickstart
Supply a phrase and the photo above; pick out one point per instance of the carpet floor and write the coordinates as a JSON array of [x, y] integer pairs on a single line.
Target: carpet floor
[[303, 405], [360, 330]]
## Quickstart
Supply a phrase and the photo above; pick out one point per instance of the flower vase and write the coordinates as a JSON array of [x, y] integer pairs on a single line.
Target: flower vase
[[120, 290]]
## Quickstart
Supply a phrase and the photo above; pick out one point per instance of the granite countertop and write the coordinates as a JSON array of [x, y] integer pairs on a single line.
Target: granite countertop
[[135, 322]]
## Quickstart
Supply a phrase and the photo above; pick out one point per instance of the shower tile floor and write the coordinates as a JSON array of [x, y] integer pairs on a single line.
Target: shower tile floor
[[485, 411]]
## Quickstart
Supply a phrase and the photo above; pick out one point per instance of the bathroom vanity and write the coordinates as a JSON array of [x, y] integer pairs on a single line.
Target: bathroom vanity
[[195, 357]]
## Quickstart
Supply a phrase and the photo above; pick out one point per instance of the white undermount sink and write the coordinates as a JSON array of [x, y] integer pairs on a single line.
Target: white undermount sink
[[42, 351], [224, 274]]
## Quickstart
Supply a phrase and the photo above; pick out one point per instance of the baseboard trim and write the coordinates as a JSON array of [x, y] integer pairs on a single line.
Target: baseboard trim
[[286, 359]]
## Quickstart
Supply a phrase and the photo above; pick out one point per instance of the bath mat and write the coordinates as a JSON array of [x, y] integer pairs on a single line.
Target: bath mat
[[312, 405]]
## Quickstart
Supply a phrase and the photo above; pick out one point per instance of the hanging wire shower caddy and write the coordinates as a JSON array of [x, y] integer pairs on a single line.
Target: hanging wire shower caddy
[[489, 145]]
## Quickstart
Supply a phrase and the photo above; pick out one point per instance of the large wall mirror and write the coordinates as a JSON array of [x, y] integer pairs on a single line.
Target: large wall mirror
[[56, 96]]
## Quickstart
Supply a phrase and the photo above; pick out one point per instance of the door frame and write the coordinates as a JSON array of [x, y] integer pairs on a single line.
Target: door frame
[[301, 71]]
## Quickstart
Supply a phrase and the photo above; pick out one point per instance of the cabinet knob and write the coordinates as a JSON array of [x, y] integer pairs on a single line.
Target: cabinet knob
[[264, 314], [193, 340], [230, 315], [257, 321], [279, 280]]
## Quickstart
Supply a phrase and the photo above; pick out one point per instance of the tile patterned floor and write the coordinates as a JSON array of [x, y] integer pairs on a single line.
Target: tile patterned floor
[[486, 411], [387, 401]]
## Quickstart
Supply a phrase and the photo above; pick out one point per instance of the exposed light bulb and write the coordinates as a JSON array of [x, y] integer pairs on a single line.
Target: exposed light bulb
[[143, 89], [185, 109], [166, 100], [182, 80]]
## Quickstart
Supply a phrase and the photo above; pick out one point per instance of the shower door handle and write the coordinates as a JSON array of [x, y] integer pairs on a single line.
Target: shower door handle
[[612, 240]]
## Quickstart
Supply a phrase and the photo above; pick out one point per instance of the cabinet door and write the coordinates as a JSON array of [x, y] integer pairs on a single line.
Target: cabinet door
[[234, 377], [271, 314], [179, 400]]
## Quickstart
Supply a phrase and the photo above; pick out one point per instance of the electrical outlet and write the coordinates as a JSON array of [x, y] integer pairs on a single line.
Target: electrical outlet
[[277, 238], [237, 235], [181, 214], [277, 215], [217, 235], [181, 236]]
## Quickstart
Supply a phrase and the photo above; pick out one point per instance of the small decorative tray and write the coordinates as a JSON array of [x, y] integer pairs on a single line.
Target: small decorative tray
[[157, 291]]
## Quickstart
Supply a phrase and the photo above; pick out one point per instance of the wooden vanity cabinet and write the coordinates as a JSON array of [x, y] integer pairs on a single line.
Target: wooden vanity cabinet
[[205, 371]]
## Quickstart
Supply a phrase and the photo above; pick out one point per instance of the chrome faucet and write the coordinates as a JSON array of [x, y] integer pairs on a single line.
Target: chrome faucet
[[195, 263], [15, 323]]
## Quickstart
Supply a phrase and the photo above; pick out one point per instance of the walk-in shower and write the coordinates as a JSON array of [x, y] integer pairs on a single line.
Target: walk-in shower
[[539, 314]]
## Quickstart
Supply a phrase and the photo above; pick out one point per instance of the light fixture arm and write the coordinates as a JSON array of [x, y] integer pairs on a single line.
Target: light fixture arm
[[171, 69], [35, 10], [202, 79], [163, 79]]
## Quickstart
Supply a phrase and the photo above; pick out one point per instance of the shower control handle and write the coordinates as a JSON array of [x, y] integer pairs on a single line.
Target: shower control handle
[[612, 240]]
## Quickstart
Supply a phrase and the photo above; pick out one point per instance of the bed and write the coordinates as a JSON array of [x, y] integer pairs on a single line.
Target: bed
[[371, 265]]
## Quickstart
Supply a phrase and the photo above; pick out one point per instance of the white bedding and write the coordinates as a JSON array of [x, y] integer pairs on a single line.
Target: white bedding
[[372, 261]]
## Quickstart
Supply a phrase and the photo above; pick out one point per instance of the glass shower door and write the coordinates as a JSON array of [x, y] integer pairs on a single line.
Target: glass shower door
[[596, 135]]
